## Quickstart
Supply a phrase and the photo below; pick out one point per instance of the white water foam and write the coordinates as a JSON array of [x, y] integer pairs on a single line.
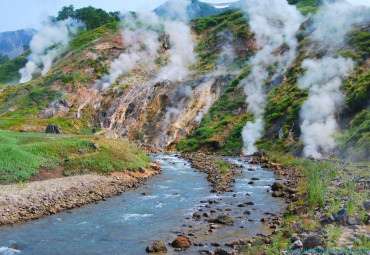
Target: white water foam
[[8, 251], [130, 216]]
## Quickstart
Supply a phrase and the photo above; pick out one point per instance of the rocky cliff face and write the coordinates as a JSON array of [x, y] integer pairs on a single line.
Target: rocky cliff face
[[12, 43]]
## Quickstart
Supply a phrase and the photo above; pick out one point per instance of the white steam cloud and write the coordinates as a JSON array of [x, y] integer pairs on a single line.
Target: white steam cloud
[[141, 45], [141, 42], [323, 78], [275, 23], [47, 46], [334, 20], [181, 52]]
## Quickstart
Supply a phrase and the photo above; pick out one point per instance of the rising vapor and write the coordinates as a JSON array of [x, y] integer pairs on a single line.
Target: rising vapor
[[47, 46], [323, 77], [274, 23], [323, 80], [141, 45]]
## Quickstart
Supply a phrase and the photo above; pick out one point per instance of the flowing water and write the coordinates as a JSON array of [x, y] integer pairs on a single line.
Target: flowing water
[[128, 223]]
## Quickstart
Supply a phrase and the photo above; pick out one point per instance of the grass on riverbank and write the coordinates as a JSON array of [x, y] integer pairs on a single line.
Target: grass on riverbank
[[23, 154], [327, 186]]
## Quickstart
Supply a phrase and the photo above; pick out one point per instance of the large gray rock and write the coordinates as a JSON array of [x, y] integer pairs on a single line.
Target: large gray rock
[[367, 205], [296, 245], [53, 129], [312, 241], [55, 109], [341, 215]]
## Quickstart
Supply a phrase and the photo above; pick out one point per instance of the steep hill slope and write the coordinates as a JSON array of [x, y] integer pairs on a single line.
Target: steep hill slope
[[204, 110]]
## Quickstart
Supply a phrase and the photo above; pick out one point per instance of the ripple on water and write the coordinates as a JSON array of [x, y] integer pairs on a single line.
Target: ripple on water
[[131, 216], [149, 197]]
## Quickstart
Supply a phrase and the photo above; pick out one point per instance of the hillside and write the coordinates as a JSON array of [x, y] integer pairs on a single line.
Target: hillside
[[14, 43], [195, 9], [205, 110]]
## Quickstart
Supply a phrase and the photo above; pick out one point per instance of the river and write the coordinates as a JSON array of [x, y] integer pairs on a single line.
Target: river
[[155, 211]]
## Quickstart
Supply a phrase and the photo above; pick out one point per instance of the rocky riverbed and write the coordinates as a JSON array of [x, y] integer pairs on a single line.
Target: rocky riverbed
[[220, 182], [229, 222], [21, 202], [341, 222]]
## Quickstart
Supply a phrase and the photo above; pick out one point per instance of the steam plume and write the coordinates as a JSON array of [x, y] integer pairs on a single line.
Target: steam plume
[[47, 46], [334, 20], [275, 23], [141, 45], [323, 79], [181, 53]]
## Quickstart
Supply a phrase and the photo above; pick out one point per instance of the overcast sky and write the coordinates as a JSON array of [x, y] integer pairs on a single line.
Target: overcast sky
[[19, 14]]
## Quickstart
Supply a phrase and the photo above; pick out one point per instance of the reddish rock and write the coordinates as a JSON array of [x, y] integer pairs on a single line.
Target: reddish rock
[[180, 242], [277, 186]]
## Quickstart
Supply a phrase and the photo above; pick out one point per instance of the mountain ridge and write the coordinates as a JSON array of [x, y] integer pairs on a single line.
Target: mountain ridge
[[14, 43]]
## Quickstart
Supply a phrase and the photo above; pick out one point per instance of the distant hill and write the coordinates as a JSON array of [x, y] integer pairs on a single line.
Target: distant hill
[[195, 9], [12, 43]]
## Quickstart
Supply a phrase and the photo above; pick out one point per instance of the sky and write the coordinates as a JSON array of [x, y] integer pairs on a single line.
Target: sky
[[20, 14]]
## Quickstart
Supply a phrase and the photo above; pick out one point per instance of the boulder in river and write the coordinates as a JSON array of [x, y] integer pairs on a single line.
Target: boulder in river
[[180, 242], [157, 246], [221, 251], [53, 129], [224, 219], [277, 186]]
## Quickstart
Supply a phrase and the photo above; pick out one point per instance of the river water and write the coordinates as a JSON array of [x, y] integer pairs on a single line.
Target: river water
[[128, 223]]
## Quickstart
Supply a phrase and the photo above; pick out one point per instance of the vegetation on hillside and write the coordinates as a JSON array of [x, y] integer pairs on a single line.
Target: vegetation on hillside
[[229, 29], [3, 59], [9, 70], [92, 17], [220, 130], [23, 154]]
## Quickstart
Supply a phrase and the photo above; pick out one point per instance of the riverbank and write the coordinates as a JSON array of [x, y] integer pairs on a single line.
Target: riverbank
[[26, 201], [328, 207], [220, 173]]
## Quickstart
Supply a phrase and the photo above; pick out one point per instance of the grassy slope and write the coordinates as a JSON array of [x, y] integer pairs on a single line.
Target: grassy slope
[[29, 98], [22, 154], [9, 71], [224, 121]]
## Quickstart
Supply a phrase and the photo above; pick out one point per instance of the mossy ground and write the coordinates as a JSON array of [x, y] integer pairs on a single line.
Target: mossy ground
[[23, 154]]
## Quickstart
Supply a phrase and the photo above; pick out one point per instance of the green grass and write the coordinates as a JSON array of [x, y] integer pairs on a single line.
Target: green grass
[[220, 129], [355, 142], [212, 31], [222, 165], [23, 154], [317, 174], [9, 71]]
